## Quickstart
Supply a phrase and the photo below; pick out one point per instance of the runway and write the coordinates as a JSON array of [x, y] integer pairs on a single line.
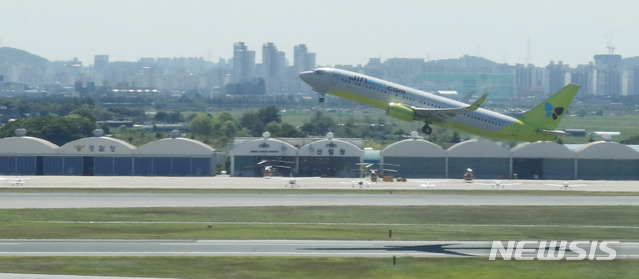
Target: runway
[[123, 200], [260, 248], [226, 182]]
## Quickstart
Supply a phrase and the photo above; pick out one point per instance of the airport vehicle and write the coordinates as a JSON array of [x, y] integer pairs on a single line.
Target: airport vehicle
[[566, 185], [410, 104]]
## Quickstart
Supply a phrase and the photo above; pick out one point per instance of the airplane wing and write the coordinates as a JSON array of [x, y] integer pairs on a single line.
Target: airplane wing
[[466, 98], [442, 114]]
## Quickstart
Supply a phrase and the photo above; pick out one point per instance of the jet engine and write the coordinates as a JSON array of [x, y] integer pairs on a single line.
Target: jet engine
[[401, 112]]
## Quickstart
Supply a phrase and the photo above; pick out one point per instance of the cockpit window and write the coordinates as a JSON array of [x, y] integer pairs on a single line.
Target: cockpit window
[[319, 72]]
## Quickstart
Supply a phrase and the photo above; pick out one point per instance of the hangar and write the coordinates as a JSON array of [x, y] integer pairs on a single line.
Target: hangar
[[544, 160], [486, 158], [415, 157], [100, 155], [330, 157], [316, 157], [175, 156], [607, 160], [22, 155], [254, 156]]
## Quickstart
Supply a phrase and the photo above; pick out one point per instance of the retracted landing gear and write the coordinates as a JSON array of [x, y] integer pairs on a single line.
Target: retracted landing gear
[[427, 129]]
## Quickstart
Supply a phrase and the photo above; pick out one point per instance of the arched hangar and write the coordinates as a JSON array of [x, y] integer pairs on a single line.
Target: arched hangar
[[607, 160], [175, 156], [98, 155], [487, 159], [22, 155], [254, 157], [543, 160], [414, 158], [330, 157]]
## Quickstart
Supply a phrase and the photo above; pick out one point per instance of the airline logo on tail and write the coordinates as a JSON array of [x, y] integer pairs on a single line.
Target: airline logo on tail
[[553, 111]]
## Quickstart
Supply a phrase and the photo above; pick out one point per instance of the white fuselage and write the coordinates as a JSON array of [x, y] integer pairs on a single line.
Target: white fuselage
[[380, 93]]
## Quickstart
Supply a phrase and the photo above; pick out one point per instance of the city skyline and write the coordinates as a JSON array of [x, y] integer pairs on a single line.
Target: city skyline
[[340, 33]]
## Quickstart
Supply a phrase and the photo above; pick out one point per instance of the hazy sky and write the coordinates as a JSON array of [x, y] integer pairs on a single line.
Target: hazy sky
[[339, 31]]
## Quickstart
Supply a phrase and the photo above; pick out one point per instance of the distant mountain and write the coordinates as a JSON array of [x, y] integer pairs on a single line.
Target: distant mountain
[[465, 61], [19, 57]]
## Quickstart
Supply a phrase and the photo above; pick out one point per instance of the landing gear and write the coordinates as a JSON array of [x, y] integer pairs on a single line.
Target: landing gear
[[321, 99], [427, 129]]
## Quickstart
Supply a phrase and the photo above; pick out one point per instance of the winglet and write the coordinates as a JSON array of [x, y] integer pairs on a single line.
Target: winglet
[[478, 103]]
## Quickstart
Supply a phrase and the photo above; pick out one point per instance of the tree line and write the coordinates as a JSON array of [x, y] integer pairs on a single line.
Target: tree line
[[61, 120]]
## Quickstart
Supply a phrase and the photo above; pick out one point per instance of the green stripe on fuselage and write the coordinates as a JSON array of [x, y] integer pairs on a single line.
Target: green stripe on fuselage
[[360, 99], [524, 132]]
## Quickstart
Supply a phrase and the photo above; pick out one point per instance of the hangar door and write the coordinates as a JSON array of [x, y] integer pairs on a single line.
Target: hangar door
[[528, 168]]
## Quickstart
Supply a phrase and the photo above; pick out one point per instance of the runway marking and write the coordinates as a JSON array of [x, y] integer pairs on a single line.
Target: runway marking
[[263, 254], [346, 224]]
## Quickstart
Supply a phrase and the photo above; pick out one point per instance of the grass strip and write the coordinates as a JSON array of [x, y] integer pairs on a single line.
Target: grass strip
[[284, 267], [348, 222]]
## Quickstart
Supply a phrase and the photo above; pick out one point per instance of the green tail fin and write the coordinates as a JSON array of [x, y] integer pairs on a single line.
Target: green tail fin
[[548, 114]]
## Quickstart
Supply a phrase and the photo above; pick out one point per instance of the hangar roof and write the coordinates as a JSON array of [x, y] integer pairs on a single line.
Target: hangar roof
[[331, 147], [97, 146], [414, 148], [542, 149], [264, 147], [478, 149], [176, 146], [606, 150], [26, 145]]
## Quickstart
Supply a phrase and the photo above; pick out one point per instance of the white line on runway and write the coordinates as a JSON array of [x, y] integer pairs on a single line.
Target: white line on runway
[[346, 224]]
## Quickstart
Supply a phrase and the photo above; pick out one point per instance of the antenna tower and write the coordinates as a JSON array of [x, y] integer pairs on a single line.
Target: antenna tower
[[611, 46]]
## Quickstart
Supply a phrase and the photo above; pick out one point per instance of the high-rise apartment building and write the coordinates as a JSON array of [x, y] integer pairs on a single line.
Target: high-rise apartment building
[[608, 74], [273, 61], [243, 63], [100, 63], [302, 59]]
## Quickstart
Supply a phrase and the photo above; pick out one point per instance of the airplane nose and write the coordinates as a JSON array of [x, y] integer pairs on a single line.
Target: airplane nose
[[306, 75]]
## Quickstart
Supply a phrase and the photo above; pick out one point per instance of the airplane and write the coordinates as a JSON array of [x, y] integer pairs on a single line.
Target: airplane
[[292, 181], [16, 181], [566, 185], [409, 104], [428, 184], [497, 184], [360, 182]]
